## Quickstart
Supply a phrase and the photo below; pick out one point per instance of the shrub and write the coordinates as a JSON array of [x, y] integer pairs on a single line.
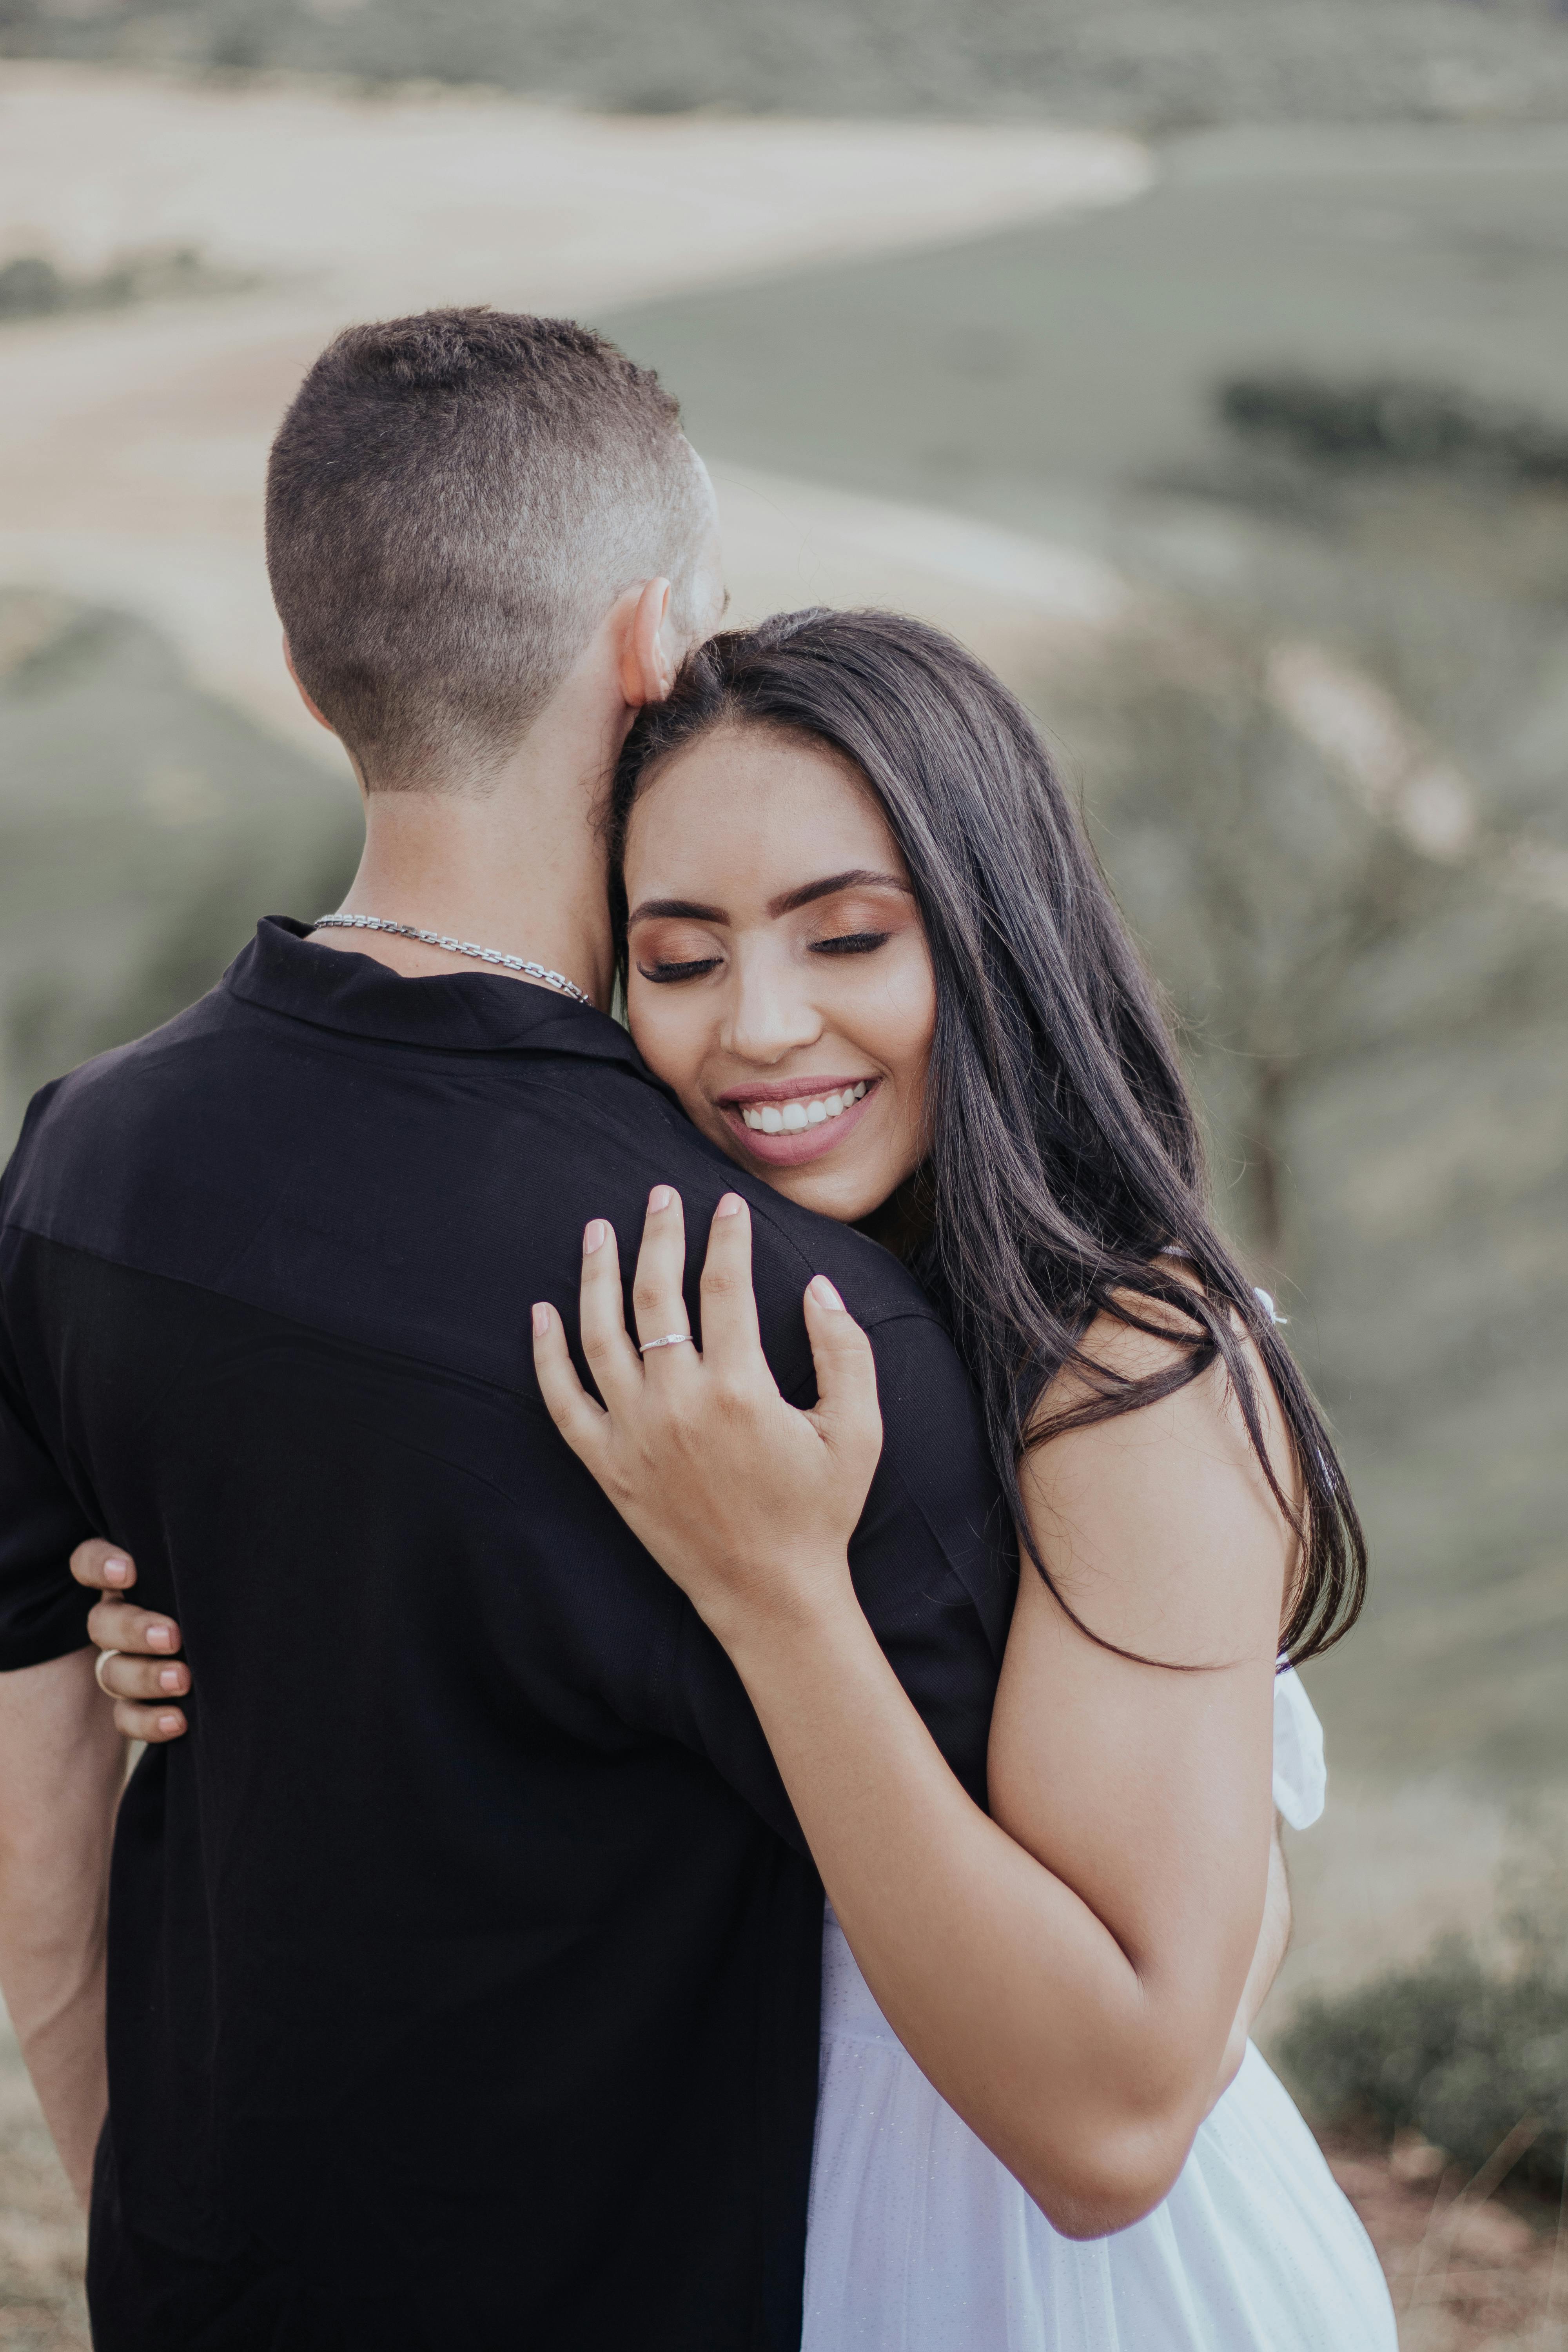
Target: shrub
[[32, 288], [1393, 421], [1459, 2051]]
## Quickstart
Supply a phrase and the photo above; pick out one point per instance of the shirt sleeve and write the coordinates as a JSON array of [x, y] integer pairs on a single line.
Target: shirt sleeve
[[43, 1613], [935, 1568]]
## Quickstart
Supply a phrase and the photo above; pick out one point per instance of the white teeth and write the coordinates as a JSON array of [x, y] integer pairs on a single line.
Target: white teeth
[[775, 1118]]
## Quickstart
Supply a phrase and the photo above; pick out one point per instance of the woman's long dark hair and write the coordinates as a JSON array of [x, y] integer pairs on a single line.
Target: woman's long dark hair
[[1064, 1156]]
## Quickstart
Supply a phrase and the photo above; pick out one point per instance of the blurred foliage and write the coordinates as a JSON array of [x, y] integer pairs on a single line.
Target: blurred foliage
[[1393, 421], [1463, 2048], [31, 287], [144, 826], [1307, 905], [1183, 63], [1268, 898], [1459, 2051]]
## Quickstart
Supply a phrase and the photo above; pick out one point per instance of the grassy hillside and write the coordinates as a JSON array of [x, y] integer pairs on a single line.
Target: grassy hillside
[[1152, 64]]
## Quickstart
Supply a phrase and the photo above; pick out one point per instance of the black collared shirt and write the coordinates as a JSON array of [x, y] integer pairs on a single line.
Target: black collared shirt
[[463, 1958]]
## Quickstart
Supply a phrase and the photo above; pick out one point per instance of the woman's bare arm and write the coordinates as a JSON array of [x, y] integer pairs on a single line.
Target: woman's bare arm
[[1147, 1791], [1068, 1973]]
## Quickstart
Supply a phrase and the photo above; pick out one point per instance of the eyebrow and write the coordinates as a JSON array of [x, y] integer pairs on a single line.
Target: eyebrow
[[858, 877]]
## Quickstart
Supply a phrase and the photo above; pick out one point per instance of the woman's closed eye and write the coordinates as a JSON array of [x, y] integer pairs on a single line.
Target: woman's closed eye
[[674, 948]]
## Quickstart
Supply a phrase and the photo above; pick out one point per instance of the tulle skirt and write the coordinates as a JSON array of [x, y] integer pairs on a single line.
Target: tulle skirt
[[922, 2242]]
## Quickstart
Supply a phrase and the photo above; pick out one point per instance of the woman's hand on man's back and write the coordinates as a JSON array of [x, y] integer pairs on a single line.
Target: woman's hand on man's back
[[748, 1504]]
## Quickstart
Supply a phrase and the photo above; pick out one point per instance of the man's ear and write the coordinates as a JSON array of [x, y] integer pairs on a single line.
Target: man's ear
[[648, 655], [304, 696]]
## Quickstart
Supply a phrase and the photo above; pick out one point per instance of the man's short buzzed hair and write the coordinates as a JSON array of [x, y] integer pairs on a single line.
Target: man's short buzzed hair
[[454, 503]]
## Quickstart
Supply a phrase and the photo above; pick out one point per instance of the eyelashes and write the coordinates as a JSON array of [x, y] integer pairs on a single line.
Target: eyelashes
[[662, 974], [851, 943], [666, 975]]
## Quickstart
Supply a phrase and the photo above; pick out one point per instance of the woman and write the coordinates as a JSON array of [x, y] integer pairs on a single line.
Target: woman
[[866, 945]]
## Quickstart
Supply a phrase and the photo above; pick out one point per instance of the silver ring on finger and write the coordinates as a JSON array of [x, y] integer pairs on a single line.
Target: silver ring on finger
[[103, 1658], [670, 1339]]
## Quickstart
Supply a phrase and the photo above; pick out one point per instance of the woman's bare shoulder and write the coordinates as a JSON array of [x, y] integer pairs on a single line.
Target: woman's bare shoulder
[[1157, 1523]]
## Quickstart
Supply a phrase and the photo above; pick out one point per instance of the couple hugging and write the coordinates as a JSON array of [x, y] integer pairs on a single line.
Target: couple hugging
[[607, 1488]]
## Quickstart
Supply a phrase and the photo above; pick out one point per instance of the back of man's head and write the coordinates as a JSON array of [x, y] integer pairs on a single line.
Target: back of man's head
[[454, 504]]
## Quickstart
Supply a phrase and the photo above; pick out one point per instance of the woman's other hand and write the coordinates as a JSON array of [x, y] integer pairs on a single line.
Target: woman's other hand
[[139, 1671], [747, 1503]]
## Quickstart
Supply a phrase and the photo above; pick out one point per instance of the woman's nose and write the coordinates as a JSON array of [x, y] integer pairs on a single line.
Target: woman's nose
[[769, 1014]]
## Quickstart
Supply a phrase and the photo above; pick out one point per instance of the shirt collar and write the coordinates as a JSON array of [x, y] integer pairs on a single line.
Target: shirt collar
[[285, 971]]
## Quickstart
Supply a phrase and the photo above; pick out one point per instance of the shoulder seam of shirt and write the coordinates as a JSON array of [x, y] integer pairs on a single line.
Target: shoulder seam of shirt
[[917, 1309]]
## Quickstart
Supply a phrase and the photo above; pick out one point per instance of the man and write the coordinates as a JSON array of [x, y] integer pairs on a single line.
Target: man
[[462, 1988]]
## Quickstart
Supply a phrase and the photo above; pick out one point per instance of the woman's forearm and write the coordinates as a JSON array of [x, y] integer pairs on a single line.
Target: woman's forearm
[[1016, 2002]]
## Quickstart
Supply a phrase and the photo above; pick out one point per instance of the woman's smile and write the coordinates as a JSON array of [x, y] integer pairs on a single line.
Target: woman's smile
[[787, 1121]]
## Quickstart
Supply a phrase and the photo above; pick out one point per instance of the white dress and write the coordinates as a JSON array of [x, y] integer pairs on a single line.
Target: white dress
[[920, 2240]]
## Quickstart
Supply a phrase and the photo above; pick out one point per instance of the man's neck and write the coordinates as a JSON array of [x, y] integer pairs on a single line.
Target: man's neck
[[513, 862]]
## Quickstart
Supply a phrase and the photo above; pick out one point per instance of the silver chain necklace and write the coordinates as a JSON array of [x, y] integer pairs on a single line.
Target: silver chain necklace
[[556, 979]]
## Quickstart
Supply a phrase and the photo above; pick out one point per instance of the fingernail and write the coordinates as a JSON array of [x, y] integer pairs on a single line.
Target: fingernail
[[730, 1207], [822, 1290], [168, 1723], [169, 1679], [542, 1319], [159, 1637], [659, 1198], [115, 1571], [594, 1237]]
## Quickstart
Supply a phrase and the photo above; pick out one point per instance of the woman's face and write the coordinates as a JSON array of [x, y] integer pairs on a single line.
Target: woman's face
[[779, 976]]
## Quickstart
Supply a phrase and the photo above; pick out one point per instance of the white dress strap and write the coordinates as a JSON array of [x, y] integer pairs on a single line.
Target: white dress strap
[[1300, 1774]]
